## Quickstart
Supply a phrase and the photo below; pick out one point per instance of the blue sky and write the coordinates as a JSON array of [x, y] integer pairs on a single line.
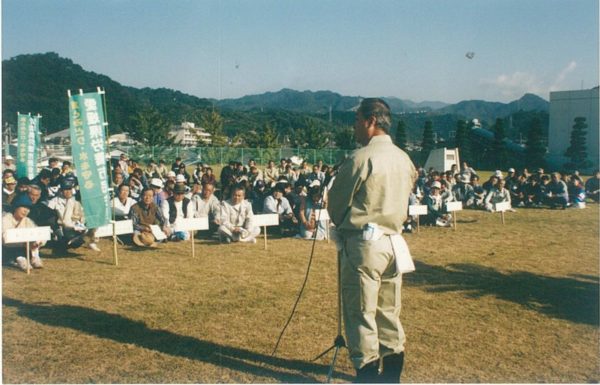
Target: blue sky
[[412, 49]]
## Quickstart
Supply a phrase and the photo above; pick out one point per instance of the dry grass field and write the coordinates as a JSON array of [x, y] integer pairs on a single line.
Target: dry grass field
[[488, 303]]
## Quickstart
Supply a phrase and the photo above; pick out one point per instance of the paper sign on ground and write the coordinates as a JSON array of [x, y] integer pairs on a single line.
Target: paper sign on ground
[[121, 227], [28, 235], [417, 210]]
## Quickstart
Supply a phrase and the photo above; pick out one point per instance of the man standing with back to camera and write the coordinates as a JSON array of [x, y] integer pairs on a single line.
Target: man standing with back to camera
[[369, 203]]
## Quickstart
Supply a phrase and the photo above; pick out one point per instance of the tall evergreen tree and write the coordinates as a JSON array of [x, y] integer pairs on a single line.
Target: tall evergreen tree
[[150, 128], [212, 122], [428, 142], [344, 138], [535, 150], [499, 151], [462, 140], [401, 135], [577, 151], [269, 136]]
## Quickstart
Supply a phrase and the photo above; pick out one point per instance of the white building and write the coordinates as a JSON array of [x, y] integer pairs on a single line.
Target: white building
[[565, 106], [187, 134]]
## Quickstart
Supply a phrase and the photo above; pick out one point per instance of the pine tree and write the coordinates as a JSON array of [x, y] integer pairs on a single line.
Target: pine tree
[[577, 151], [269, 137], [344, 138], [499, 152], [534, 147], [462, 140], [401, 135], [212, 122], [428, 143]]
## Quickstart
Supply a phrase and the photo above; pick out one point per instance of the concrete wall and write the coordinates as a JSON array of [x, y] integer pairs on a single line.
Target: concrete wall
[[565, 106]]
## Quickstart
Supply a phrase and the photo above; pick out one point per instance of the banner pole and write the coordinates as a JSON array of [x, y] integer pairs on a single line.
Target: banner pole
[[114, 219]]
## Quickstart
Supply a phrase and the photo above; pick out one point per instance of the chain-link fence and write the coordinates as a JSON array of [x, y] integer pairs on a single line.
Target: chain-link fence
[[211, 155]]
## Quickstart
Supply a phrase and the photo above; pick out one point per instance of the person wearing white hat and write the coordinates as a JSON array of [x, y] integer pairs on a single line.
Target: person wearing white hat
[[160, 195], [9, 163], [436, 215]]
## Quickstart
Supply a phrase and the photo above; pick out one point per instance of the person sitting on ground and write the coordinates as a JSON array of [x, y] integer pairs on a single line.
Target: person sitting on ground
[[281, 169], [67, 168], [592, 186], [9, 192], [150, 170], [276, 203], [144, 214], [463, 191], [209, 177], [156, 185], [311, 225], [490, 183], [236, 218], [183, 172], [577, 194], [70, 225], [206, 204], [18, 219], [557, 193], [135, 187], [270, 174], [498, 194], [436, 213], [478, 191], [175, 166], [174, 210], [39, 213], [9, 163], [117, 180], [161, 170], [517, 190], [123, 203], [43, 180], [316, 174]]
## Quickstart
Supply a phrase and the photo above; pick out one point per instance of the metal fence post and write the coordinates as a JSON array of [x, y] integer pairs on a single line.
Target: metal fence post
[[221, 155], [242, 149]]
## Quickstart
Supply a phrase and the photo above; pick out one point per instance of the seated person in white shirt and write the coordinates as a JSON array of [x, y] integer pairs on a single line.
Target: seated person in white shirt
[[236, 218], [276, 203], [174, 209], [436, 212], [70, 229], [498, 194], [206, 204], [123, 203], [16, 252]]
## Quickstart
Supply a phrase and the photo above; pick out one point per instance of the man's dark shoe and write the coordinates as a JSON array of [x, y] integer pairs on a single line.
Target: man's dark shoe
[[392, 369], [368, 374]]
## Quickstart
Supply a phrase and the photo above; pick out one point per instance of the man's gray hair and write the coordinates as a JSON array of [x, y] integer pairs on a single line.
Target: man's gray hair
[[378, 108]]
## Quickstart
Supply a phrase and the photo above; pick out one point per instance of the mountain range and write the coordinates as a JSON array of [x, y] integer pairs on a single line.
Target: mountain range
[[38, 83]]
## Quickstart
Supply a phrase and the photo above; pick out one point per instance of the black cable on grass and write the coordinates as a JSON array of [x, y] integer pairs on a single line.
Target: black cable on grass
[[310, 259]]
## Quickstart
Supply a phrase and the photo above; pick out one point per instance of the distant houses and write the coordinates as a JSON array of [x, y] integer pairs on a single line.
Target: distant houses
[[187, 134]]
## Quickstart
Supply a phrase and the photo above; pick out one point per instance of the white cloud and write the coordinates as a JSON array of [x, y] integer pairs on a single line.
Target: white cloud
[[557, 85], [515, 85]]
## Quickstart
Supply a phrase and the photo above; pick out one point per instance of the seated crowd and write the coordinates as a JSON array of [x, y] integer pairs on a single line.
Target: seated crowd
[[156, 198], [519, 189]]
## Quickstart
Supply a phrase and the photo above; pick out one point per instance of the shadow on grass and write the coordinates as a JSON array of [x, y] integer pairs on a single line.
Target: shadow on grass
[[575, 300], [118, 328]]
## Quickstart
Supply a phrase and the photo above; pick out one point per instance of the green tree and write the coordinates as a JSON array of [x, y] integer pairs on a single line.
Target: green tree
[[428, 142], [499, 151], [401, 135], [344, 138], [311, 136], [150, 128], [269, 137], [213, 122], [577, 151], [462, 140], [535, 150]]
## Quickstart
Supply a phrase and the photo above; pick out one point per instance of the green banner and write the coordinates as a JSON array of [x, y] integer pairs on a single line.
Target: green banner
[[28, 140], [88, 144]]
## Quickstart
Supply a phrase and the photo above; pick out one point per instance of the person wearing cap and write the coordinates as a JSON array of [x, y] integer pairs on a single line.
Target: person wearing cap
[[371, 191], [463, 191], [276, 203], [498, 194], [171, 175], [206, 204], [144, 214], [18, 219], [176, 208], [9, 191], [70, 225], [236, 218], [156, 185], [9, 163], [436, 213], [122, 202]]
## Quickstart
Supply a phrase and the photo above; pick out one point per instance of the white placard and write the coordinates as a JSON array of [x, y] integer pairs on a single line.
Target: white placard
[[191, 224], [261, 220], [453, 206], [121, 227], [322, 215], [32, 234], [417, 210], [159, 235], [502, 206]]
